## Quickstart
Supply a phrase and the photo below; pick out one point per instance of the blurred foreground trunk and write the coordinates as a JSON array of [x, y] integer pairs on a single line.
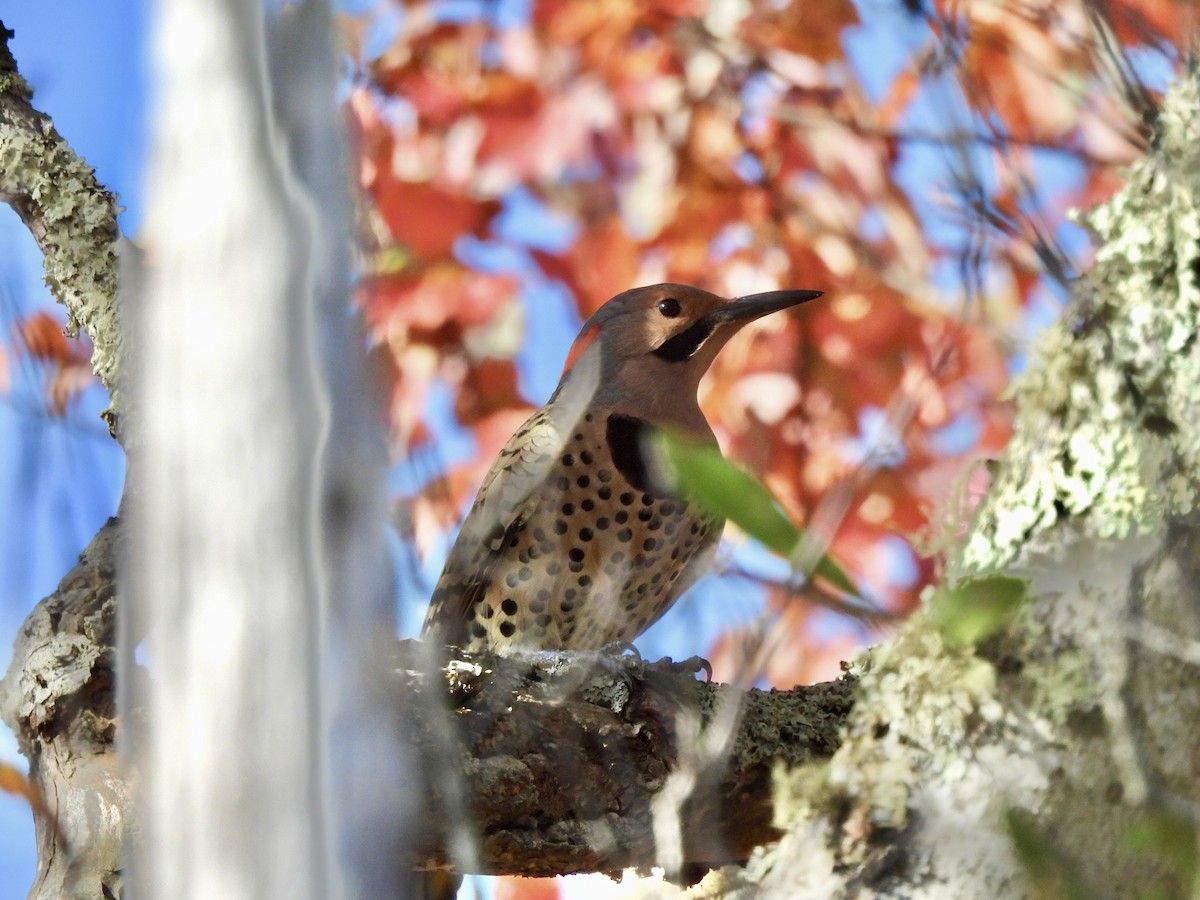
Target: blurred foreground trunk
[[255, 566], [252, 571]]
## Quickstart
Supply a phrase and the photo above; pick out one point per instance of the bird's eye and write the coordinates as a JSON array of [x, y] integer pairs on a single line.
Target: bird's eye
[[669, 307]]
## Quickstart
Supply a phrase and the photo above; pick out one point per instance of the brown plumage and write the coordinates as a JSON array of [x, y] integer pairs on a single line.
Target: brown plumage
[[569, 545]]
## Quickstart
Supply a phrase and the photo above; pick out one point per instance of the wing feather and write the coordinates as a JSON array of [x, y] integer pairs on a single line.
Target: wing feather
[[507, 498]]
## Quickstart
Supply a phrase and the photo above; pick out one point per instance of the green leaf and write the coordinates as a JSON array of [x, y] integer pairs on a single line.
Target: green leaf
[[1168, 835], [702, 475], [976, 608], [833, 573], [1051, 874]]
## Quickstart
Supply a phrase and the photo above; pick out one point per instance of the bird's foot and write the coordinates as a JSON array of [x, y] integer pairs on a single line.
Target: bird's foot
[[619, 649], [693, 665]]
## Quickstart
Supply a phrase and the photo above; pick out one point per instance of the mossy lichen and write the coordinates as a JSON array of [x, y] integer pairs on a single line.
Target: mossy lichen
[[1098, 435], [72, 217]]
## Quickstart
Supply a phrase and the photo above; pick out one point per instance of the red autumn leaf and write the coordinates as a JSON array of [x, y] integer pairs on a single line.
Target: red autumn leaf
[[438, 303], [812, 30], [42, 337], [427, 219], [69, 371], [489, 386], [1146, 22], [603, 262]]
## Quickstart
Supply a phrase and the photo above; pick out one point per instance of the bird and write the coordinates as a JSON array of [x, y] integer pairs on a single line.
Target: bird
[[570, 543]]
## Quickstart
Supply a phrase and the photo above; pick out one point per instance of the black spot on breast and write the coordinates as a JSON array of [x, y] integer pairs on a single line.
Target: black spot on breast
[[686, 343], [623, 434]]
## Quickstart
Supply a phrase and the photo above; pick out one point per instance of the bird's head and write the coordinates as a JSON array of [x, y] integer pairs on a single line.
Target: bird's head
[[655, 342]]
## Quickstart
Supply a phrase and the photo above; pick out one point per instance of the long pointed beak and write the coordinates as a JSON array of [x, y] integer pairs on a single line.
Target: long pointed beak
[[754, 306]]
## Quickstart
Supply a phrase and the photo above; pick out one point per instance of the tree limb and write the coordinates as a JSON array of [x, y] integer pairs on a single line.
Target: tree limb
[[58, 698], [572, 763], [70, 215]]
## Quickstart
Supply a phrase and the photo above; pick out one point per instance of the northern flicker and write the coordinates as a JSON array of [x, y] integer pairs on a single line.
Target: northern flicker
[[569, 544]]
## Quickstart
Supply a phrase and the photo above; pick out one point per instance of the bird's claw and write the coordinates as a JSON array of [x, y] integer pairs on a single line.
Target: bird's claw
[[693, 665], [620, 648]]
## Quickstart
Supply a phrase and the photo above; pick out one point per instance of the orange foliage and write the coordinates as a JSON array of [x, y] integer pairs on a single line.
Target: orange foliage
[[67, 361], [740, 156]]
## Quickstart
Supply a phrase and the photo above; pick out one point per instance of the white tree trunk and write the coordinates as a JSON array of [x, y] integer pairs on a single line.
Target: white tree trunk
[[255, 559]]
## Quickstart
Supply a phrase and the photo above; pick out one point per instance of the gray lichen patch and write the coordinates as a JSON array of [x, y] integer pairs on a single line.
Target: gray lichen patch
[[72, 217], [1104, 433]]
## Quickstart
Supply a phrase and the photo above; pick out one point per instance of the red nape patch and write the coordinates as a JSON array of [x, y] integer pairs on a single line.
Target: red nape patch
[[580, 346]]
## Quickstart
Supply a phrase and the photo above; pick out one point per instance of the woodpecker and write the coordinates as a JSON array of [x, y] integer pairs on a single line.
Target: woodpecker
[[569, 544]]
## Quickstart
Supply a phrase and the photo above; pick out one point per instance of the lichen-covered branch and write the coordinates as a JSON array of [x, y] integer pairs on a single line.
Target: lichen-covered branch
[[1105, 431], [71, 216], [570, 764], [58, 698]]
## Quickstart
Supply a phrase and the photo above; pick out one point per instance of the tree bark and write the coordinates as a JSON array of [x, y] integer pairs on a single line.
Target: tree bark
[[59, 698], [584, 763]]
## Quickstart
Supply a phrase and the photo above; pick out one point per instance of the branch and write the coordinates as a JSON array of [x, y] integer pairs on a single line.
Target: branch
[[70, 215], [573, 764], [564, 764], [58, 698]]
